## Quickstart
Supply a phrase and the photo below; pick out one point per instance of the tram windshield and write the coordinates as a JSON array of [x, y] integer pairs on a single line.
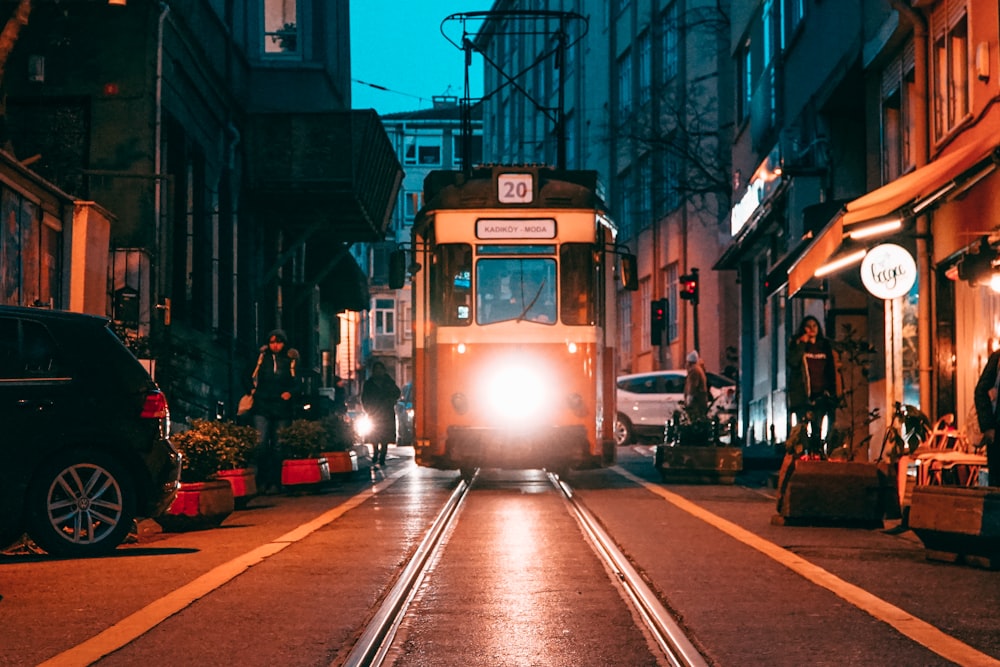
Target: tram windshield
[[516, 288], [515, 283]]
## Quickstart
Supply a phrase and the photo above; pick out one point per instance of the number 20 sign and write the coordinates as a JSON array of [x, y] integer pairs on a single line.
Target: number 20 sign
[[515, 188]]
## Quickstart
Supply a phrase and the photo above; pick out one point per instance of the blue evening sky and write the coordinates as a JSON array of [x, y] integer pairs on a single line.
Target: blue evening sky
[[398, 45]]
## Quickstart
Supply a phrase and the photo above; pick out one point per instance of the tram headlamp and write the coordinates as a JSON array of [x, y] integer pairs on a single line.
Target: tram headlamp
[[516, 394]]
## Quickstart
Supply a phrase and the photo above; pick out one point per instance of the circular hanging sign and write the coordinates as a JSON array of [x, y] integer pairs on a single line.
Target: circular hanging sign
[[888, 271]]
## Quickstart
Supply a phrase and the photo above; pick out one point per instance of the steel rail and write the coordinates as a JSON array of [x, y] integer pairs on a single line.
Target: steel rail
[[671, 639], [373, 645]]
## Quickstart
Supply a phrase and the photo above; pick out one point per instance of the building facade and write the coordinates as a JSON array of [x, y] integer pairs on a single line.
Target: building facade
[[220, 141]]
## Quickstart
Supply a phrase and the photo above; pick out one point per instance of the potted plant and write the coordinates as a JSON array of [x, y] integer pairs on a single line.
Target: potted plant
[[205, 499], [303, 443], [233, 447], [338, 453]]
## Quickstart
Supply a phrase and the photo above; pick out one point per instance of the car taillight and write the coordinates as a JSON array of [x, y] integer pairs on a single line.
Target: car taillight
[[155, 406]]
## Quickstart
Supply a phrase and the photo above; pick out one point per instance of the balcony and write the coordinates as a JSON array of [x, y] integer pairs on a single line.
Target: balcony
[[331, 175]]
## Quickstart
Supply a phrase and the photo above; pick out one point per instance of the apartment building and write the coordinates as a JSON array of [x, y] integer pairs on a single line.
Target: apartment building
[[229, 176]]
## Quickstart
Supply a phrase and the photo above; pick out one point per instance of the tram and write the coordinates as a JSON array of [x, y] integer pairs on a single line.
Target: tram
[[513, 278]]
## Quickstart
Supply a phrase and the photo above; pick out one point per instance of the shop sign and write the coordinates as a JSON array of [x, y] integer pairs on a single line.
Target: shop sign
[[888, 271]]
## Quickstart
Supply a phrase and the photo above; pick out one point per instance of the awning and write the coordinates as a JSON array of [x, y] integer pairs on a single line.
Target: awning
[[914, 192]]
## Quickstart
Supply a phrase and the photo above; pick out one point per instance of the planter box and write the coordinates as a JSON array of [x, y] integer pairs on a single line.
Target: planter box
[[304, 473], [243, 482], [198, 505], [958, 524], [341, 463], [829, 492], [699, 465]]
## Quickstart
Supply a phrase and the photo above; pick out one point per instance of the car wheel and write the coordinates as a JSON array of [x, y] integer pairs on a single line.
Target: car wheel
[[81, 504], [623, 431]]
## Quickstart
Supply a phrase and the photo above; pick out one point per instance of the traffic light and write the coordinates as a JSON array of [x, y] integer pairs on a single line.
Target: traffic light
[[657, 321], [689, 286]]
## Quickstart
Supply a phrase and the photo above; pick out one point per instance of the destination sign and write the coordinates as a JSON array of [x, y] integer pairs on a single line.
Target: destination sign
[[516, 229]]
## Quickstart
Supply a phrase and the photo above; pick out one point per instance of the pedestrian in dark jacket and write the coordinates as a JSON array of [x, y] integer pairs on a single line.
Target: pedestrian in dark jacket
[[378, 398], [812, 378], [985, 397], [276, 387]]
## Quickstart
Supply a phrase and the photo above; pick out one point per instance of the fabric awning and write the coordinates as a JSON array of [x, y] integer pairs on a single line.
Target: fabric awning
[[925, 185]]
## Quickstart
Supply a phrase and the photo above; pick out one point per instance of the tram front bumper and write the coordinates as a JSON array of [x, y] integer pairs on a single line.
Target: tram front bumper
[[552, 447]]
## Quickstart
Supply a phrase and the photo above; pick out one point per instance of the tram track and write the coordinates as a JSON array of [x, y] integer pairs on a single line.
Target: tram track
[[376, 640]]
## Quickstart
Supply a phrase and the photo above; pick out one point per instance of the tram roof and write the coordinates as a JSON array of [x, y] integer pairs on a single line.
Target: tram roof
[[555, 188]]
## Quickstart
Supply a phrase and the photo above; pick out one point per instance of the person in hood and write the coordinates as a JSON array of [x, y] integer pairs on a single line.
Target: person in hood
[[696, 395], [378, 398], [276, 387]]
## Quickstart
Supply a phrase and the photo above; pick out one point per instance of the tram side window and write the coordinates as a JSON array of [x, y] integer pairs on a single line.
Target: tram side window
[[451, 284], [578, 270]]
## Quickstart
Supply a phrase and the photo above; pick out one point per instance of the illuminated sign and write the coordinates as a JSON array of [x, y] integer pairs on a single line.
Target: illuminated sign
[[516, 229], [888, 271], [764, 181], [515, 188]]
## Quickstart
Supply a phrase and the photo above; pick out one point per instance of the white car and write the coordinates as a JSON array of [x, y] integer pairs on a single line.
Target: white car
[[646, 401]]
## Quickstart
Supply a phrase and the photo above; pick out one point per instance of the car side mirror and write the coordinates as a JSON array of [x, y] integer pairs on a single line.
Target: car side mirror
[[397, 269], [629, 272]]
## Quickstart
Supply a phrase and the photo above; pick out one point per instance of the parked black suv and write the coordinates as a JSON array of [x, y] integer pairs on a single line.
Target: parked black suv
[[84, 431]]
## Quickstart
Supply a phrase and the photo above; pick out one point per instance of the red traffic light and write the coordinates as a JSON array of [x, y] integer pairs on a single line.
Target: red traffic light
[[689, 287]]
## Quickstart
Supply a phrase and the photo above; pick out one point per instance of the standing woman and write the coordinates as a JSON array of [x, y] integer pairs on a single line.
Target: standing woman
[[275, 384], [378, 398], [812, 377]]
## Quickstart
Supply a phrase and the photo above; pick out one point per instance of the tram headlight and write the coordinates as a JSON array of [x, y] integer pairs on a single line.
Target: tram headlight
[[516, 395]]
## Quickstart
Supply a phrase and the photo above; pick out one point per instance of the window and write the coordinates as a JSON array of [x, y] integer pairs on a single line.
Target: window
[[625, 329], [624, 195], [897, 116], [669, 38], [422, 150], [645, 296], [673, 295], [578, 294], [950, 53], [625, 85], [670, 187], [451, 284], [794, 11], [645, 194], [27, 351], [383, 321], [645, 68], [744, 80], [522, 289], [281, 34]]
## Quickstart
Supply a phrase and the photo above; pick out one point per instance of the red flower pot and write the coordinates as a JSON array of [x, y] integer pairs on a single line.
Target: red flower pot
[[198, 505], [243, 482], [305, 472]]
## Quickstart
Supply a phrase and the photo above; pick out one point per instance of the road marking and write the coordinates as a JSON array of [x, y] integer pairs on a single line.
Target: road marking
[[135, 625], [920, 631]]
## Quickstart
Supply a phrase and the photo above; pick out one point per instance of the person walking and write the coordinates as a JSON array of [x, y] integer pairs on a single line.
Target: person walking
[[696, 396], [275, 388], [985, 398], [378, 398]]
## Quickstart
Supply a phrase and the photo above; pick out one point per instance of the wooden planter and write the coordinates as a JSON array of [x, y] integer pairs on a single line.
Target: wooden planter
[[699, 465], [198, 505], [243, 482], [958, 524], [840, 492], [305, 474]]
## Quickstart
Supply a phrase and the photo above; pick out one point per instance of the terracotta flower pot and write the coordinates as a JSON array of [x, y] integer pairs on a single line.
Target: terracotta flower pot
[[341, 463], [198, 505]]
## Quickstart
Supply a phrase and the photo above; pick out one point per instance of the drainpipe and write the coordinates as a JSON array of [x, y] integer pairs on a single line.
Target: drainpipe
[[921, 153]]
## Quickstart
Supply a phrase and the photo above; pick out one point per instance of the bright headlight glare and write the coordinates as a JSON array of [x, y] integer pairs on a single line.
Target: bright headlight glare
[[363, 425], [516, 394]]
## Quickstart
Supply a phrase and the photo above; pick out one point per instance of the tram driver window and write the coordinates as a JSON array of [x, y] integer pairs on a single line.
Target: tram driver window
[[516, 288], [578, 270], [451, 284]]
